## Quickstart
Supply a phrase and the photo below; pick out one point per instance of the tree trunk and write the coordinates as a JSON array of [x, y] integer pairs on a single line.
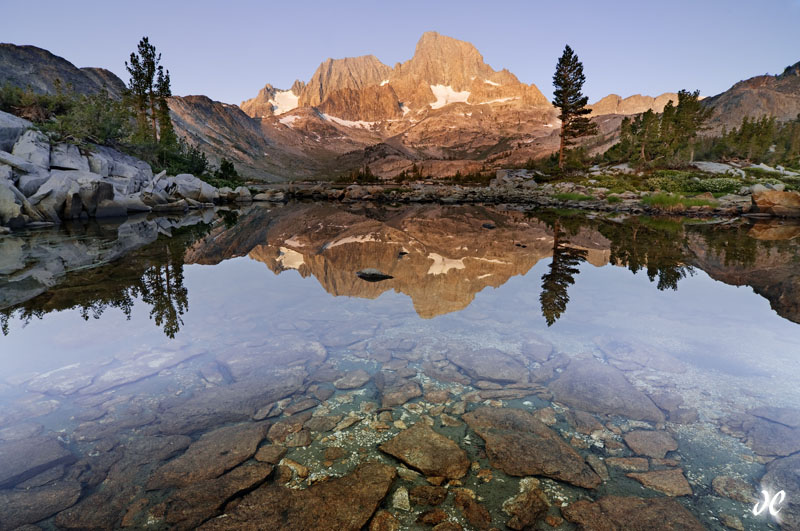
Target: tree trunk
[[561, 149], [153, 115]]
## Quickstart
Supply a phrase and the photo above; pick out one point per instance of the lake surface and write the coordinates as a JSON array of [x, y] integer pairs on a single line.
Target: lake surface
[[548, 369]]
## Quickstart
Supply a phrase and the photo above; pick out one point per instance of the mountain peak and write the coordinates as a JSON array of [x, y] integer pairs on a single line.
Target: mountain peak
[[442, 60], [348, 73]]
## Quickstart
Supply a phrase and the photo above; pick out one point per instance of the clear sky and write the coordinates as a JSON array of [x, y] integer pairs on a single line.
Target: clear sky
[[228, 50]]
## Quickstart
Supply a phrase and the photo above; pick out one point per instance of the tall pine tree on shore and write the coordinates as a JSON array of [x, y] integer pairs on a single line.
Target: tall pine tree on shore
[[150, 87], [568, 98]]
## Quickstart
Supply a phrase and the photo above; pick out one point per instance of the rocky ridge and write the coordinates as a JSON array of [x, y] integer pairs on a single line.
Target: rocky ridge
[[42, 71]]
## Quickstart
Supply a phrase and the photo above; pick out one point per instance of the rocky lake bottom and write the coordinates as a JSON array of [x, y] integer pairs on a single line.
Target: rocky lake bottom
[[511, 369]]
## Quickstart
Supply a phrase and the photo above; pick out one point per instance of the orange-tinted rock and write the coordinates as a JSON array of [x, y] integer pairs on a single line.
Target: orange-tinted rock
[[429, 452], [781, 204], [475, 513], [671, 482], [650, 443], [210, 456], [520, 445], [427, 495], [321, 506], [384, 521], [526, 509], [631, 514], [192, 505]]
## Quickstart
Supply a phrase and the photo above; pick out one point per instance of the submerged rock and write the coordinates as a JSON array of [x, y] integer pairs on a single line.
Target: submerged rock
[[345, 503], [671, 482], [597, 388], [429, 452], [475, 513], [734, 488], [772, 438], [196, 503], [651, 443], [428, 495], [213, 454], [520, 445], [20, 507], [352, 380], [526, 509], [489, 364], [631, 514], [400, 394], [384, 521], [23, 459], [784, 474]]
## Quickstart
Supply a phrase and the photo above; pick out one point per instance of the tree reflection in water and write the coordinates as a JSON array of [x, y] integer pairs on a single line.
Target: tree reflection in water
[[556, 282], [152, 274]]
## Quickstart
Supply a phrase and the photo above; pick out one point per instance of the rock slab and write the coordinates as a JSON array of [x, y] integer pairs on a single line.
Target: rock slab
[[592, 386], [429, 452], [520, 445], [23, 459], [318, 507], [631, 514], [210, 456]]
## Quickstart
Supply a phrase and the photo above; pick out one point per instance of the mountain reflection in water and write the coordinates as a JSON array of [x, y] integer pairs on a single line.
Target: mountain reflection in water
[[439, 256]]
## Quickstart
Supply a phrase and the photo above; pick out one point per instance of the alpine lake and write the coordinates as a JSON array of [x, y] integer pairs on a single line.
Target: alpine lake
[[356, 366]]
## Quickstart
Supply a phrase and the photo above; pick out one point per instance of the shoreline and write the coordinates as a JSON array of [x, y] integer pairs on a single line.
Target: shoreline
[[540, 196]]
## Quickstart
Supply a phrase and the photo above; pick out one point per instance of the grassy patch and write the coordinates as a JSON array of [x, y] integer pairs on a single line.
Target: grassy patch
[[613, 199], [674, 202], [761, 172], [572, 196]]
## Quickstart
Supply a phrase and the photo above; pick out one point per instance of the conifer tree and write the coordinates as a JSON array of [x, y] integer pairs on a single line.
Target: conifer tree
[[146, 88], [568, 98], [167, 140]]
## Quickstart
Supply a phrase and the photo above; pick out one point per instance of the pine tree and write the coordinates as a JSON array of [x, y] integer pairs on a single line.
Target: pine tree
[[147, 89], [568, 98], [167, 140]]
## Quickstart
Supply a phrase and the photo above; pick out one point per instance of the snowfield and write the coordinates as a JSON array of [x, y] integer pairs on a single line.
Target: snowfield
[[284, 101], [445, 95]]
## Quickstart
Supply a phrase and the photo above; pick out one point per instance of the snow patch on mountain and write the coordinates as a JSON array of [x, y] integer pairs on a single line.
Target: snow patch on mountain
[[289, 120], [445, 95], [500, 100], [284, 101], [348, 123]]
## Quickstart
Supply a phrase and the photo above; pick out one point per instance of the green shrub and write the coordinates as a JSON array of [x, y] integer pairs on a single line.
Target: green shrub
[[724, 185], [572, 196], [613, 199], [761, 172]]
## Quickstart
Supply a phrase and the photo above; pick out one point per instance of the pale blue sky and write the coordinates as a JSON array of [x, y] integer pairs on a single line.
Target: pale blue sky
[[229, 50]]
